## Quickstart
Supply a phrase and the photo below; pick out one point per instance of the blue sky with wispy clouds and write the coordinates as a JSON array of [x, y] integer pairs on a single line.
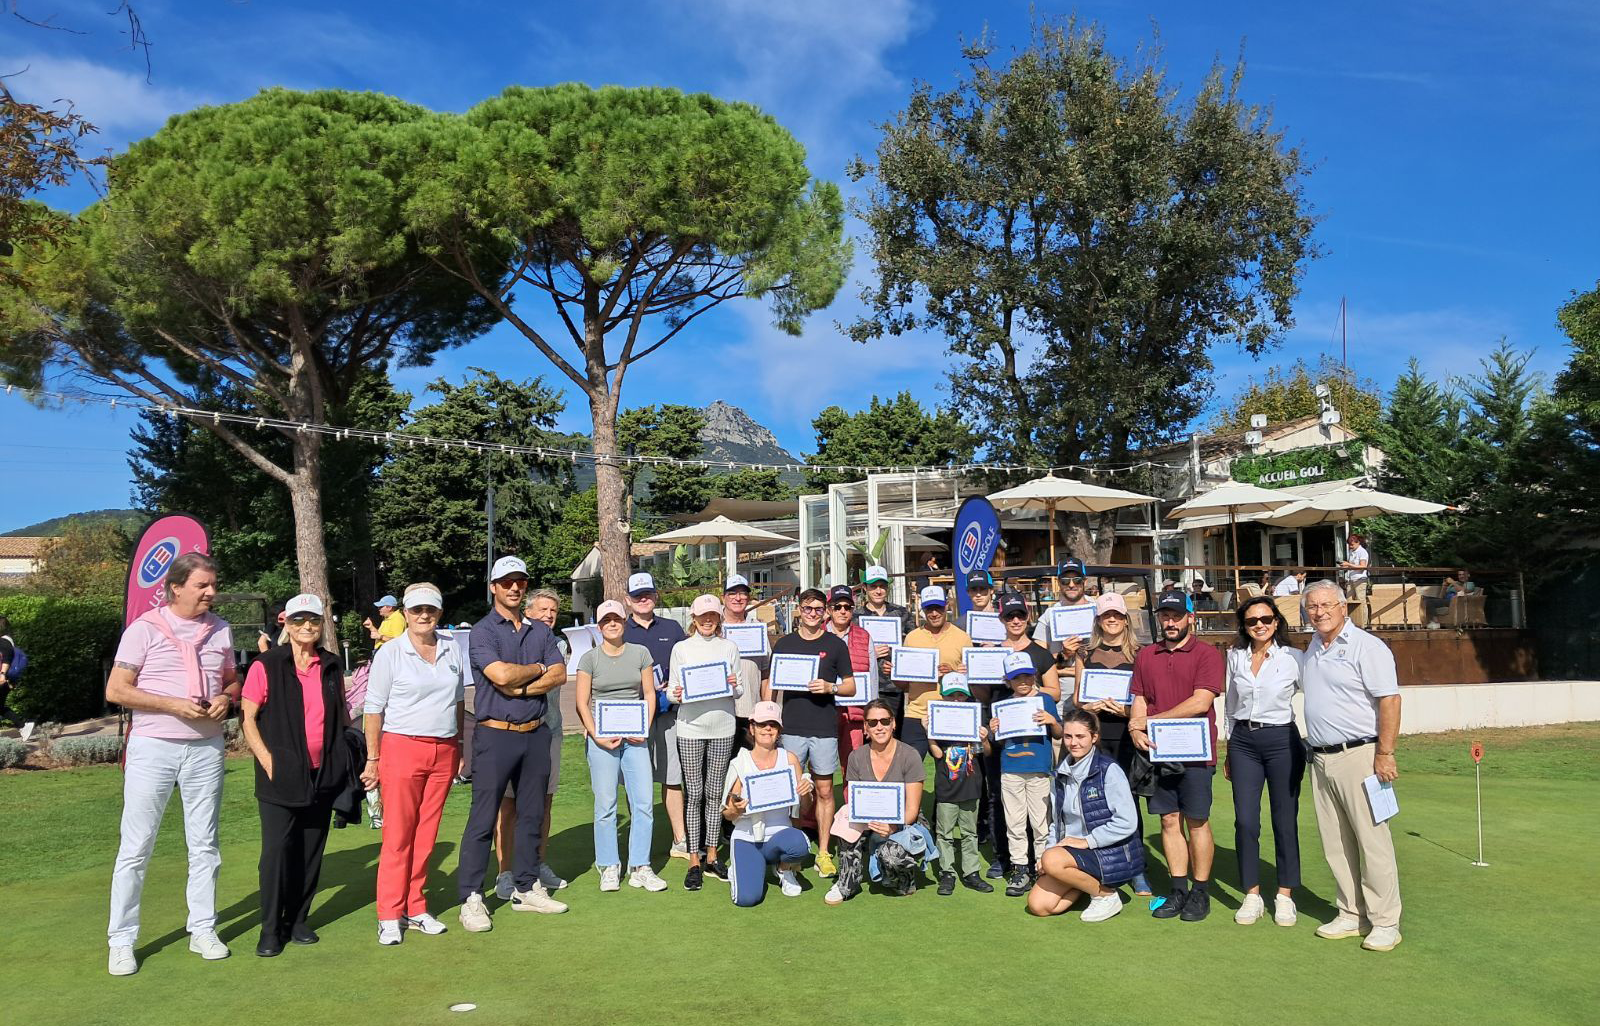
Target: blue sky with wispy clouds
[[1455, 145]]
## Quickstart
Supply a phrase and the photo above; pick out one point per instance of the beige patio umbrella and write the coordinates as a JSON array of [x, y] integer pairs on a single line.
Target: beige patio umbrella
[[1342, 505], [1232, 499], [1051, 493], [728, 533]]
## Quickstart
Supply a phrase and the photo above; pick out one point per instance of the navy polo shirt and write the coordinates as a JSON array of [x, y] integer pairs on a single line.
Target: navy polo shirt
[[659, 638], [494, 639]]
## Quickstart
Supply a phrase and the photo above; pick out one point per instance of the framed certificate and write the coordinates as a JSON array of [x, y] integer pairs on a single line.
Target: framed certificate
[[1179, 740], [884, 630], [872, 802], [985, 665], [749, 638], [1098, 684], [953, 721], [620, 719], [986, 627], [771, 789], [706, 681], [794, 672], [1071, 622], [1016, 717], [914, 665], [866, 691]]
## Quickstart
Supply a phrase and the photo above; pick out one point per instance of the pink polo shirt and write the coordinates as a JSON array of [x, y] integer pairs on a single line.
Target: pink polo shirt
[[161, 671], [255, 690]]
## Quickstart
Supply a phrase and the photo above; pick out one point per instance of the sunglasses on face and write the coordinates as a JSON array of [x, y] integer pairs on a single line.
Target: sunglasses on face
[[811, 610], [1072, 580], [766, 726], [1259, 621], [305, 621], [843, 605], [880, 723], [424, 610], [1015, 616]]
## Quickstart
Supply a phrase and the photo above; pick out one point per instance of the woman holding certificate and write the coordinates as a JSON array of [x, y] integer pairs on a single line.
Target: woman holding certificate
[[765, 789], [703, 682], [894, 776], [1264, 749], [614, 680]]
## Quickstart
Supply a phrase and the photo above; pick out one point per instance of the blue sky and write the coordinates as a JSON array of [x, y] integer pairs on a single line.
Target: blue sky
[[1455, 147]]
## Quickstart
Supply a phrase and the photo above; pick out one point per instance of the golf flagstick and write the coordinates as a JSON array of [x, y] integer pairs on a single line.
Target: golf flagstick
[[1477, 769]]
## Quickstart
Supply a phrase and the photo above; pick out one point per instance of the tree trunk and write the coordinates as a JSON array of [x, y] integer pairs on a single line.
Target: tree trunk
[[305, 498], [615, 534], [1089, 537]]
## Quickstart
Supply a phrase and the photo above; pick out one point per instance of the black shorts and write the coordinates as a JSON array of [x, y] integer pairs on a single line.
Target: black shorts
[[1088, 861], [1188, 792]]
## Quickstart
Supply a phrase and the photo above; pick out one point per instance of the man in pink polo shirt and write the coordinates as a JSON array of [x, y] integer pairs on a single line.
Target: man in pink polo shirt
[[174, 671]]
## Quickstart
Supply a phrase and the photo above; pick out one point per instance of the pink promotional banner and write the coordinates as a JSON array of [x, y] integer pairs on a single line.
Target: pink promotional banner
[[162, 541]]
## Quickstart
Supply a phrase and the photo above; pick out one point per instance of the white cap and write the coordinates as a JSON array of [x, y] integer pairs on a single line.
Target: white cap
[[302, 604], [424, 596], [933, 595], [641, 582], [875, 573], [505, 566], [736, 581], [1017, 664]]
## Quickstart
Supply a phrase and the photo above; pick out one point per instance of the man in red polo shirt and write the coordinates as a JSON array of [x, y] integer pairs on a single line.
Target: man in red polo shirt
[[1176, 678]]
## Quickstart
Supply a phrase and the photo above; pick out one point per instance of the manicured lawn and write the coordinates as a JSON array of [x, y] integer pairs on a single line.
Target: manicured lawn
[[1512, 943]]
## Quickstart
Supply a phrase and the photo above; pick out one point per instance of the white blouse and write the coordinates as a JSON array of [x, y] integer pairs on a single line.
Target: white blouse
[[1263, 697]]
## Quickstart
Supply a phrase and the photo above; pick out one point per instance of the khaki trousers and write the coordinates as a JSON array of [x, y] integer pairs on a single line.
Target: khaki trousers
[[1359, 852], [1358, 595], [1026, 800]]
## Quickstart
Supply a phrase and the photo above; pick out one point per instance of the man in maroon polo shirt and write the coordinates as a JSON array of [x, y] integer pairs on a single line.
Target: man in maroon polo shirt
[[1176, 678]]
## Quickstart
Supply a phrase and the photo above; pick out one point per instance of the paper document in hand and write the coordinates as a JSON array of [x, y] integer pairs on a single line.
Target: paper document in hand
[[1179, 740], [1016, 717], [580, 639], [1071, 622], [706, 681], [749, 638], [883, 630], [1381, 797], [771, 789], [866, 690], [953, 721], [794, 672], [1098, 685], [985, 627], [914, 665], [985, 665], [620, 719], [877, 803]]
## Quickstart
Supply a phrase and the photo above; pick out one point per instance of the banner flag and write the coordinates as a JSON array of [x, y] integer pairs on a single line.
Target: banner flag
[[976, 538], [163, 540]]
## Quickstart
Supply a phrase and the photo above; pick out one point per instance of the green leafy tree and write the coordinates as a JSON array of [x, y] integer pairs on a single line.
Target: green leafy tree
[[671, 431], [1289, 394], [568, 541], [625, 214], [749, 483], [428, 510], [1083, 238], [88, 561], [1568, 424], [888, 433], [1421, 436], [260, 243]]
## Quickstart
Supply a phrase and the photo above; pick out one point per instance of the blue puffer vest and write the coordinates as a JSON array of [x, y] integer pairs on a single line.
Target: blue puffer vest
[[1119, 862]]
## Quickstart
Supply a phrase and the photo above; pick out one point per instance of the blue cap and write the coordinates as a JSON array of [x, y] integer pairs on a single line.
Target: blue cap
[[387, 600], [1018, 664], [933, 595], [1072, 568]]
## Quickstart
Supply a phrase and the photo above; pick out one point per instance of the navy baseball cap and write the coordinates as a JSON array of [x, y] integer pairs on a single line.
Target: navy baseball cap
[[979, 580], [1174, 601], [1013, 605], [1072, 568], [841, 593]]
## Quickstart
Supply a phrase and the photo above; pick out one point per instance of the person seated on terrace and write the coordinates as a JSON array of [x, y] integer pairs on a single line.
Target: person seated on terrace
[[1459, 584]]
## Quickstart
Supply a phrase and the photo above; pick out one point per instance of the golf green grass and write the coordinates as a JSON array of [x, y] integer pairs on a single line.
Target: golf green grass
[[1512, 943]]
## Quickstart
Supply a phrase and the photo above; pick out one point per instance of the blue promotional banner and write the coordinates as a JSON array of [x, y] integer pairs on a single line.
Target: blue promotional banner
[[976, 538]]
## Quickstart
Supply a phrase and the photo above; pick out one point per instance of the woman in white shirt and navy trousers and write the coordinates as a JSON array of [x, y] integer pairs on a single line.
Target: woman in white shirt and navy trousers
[[1264, 748]]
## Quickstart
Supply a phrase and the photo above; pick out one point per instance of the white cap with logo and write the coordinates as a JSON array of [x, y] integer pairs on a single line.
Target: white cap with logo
[[875, 574], [505, 566], [736, 581], [641, 583], [302, 605], [933, 595]]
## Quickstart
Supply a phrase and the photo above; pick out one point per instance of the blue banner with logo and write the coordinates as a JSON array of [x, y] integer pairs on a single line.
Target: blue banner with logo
[[976, 538]]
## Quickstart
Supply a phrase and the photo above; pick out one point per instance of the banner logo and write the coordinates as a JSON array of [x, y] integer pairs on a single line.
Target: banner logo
[[977, 537], [161, 542], [153, 567]]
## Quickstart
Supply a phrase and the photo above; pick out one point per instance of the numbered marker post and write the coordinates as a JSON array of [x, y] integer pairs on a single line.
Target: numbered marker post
[[1477, 770]]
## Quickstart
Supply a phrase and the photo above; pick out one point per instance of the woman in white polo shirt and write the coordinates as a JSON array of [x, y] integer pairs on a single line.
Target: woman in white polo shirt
[[1264, 749], [416, 702]]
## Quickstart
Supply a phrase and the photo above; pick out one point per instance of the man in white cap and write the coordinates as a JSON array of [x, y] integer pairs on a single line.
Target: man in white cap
[[659, 634], [875, 602], [390, 623], [939, 633], [515, 664]]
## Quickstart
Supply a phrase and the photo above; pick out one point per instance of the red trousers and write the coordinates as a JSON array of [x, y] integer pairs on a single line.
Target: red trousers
[[852, 724], [414, 775]]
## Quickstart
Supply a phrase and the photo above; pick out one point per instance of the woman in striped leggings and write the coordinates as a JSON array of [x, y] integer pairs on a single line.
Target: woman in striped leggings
[[705, 736]]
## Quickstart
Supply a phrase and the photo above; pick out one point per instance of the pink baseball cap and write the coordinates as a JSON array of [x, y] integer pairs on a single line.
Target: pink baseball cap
[[706, 604], [610, 607], [767, 712], [1110, 602]]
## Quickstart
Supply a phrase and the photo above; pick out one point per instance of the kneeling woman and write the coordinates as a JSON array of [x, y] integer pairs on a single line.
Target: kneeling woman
[[1094, 829], [761, 839]]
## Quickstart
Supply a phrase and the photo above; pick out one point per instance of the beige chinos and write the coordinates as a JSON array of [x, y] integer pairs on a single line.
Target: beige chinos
[[1359, 852]]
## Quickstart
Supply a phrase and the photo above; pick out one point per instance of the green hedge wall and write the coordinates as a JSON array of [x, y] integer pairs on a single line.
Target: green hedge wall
[[66, 639]]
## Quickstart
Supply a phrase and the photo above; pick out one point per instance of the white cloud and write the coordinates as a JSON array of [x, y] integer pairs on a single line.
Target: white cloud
[[121, 103]]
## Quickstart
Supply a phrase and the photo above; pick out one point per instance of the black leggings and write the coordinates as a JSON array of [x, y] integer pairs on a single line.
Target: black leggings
[[1274, 757]]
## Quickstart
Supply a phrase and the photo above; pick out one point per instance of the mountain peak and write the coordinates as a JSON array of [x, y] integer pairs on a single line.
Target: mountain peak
[[732, 434]]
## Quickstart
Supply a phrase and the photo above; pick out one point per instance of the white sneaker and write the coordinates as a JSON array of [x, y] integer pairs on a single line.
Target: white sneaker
[[679, 850], [425, 924], [1340, 927], [1251, 909], [208, 945], [475, 914], [644, 876], [1102, 907], [536, 899], [1283, 911], [1382, 938], [122, 962], [389, 932], [834, 896], [611, 878], [788, 883], [504, 884]]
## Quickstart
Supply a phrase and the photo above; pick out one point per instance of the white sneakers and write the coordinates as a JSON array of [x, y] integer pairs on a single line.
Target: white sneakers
[[389, 932], [611, 878], [679, 850], [1382, 938], [425, 924], [788, 883], [208, 946], [122, 962], [1102, 907], [1340, 927], [1283, 911], [1250, 909], [644, 876], [504, 884], [475, 914], [834, 896], [537, 899]]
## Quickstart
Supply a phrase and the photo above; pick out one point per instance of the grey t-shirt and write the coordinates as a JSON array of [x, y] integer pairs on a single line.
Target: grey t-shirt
[[615, 677], [905, 766]]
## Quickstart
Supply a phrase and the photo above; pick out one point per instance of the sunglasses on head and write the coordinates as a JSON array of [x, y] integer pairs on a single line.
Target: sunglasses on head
[[1257, 621], [880, 722]]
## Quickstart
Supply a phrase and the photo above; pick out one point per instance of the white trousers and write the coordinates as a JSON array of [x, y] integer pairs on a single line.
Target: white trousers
[[154, 765]]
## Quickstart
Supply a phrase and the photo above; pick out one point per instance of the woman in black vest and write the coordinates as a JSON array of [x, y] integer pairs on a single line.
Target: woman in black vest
[[294, 719]]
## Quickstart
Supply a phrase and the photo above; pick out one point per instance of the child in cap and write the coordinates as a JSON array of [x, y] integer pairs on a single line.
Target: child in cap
[[1026, 763], [957, 783]]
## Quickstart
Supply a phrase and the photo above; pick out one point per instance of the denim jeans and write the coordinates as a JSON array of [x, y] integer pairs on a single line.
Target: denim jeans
[[631, 762]]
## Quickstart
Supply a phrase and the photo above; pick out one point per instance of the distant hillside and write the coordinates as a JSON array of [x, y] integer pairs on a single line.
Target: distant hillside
[[730, 434], [129, 520]]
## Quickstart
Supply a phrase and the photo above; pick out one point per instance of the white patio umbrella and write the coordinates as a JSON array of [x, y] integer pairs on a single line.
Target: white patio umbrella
[[1051, 493], [729, 533], [1342, 505], [1233, 498]]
